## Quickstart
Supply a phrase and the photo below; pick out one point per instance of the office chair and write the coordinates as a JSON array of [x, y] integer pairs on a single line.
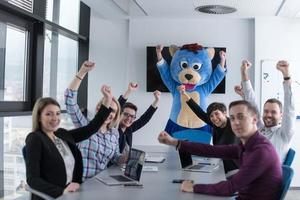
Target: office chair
[[287, 176], [289, 157], [31, 190], [193, 136]]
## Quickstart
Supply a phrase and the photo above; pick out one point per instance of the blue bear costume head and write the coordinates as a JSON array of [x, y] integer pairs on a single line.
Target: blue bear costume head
[[191, 65]]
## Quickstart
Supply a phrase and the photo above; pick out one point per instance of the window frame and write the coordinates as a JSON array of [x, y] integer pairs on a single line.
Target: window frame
[[35, 59]]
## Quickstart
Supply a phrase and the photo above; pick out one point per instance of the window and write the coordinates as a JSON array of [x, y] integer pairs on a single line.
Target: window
[[60, 65], [64, 12], [37, 58], [13, 85]]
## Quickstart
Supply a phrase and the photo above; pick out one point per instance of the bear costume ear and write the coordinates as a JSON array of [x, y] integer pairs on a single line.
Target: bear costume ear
[[172, 49], [211, 52]]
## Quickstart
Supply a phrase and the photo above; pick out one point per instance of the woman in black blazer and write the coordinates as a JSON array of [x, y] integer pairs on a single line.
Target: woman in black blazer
[[53, 162]]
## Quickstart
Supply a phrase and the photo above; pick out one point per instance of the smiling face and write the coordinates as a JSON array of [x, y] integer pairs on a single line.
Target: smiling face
[[218, 118], [50, 118], [272, 114], [127, 117]]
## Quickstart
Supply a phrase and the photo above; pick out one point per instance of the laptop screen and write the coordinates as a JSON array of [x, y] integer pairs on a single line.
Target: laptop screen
[[135, 164], [185, 158]]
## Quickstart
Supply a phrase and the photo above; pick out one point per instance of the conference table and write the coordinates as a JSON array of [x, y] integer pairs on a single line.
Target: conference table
[[156, 185]]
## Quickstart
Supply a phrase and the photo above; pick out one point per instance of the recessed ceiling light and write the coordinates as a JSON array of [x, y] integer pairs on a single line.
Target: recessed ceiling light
[[216, 9]]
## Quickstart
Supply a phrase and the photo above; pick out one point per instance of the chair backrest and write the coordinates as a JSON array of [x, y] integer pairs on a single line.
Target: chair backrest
[[31, 190], [193, 136], [289, 157], [287, 176]]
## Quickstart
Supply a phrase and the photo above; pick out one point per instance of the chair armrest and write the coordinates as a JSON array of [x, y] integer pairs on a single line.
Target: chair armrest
[[40, 194]]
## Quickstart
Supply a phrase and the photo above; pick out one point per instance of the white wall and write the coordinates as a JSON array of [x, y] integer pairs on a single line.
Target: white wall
[[108, 48], [277, 38]]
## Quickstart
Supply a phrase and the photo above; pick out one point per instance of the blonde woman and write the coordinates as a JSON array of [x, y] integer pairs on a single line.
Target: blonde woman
[[53, 161], [102, 147]]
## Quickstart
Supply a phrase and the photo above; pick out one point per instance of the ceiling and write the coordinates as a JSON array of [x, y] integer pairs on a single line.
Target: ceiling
[[186, 8]]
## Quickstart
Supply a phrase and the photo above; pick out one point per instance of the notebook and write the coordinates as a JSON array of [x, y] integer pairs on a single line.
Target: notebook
[[187, 164], [132, 172]]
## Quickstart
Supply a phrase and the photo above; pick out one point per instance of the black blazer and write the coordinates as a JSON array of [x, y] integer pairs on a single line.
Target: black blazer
[[45, 168]]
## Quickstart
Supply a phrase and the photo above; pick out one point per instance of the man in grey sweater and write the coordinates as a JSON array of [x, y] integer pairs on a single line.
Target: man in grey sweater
[[277, 122]]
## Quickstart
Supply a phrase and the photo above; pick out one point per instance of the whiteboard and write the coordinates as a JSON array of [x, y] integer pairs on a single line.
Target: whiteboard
[[271, 82]]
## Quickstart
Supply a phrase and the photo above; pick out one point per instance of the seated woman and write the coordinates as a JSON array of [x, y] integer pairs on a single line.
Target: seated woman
[[53, 161], [102, 147]]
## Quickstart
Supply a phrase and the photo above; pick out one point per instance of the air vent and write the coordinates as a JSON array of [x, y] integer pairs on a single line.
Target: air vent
[[216, 9], [24, 4]]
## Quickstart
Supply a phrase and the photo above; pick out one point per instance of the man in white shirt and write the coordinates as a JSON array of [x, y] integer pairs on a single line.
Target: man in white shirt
[[277, 122]]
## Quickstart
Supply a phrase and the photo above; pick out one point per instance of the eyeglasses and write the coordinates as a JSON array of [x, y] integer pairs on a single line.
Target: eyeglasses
[[129, 115]]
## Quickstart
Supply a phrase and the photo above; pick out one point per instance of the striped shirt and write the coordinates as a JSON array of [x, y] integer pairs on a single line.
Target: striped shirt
[[100, 148]]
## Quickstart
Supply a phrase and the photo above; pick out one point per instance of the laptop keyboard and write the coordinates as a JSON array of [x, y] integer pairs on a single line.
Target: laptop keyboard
[[120, 178]]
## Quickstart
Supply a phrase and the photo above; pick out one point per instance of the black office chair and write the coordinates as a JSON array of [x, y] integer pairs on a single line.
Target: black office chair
[[31, 190]]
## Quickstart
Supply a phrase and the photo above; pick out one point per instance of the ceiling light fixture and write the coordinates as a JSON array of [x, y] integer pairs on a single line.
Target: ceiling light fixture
[[216, 9]]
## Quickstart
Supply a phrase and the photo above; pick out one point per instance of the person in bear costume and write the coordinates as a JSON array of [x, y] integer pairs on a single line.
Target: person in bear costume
[[190, 66]]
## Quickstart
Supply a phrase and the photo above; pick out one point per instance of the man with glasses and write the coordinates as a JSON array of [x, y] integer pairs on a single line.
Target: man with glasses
[[128, 125]]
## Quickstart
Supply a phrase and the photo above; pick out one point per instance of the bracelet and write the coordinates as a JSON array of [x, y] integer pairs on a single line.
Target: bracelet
[[79, 77], [286, 78], [178, 144]]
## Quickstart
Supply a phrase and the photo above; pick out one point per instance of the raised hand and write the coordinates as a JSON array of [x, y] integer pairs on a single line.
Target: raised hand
[[107, 95], [156, 95], [239, 90], [245, 65], [244, 70], [181, 89], [187, 186], [284, 67], [72, 187], [159, 49], [132, 86], [222, 55], [86, 67]]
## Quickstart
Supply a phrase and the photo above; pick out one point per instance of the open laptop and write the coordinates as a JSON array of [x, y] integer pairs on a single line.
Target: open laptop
[[187, 164], [132, 173]]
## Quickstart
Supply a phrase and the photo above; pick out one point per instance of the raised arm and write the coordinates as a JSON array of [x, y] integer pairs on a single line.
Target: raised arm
[[145, 118], [217, 75], [194, 106], [289, 114], [71, 93], [85, 132], [84, 69], [132, 86], [159, 49], [164, 70], [247, 89]]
